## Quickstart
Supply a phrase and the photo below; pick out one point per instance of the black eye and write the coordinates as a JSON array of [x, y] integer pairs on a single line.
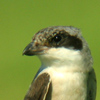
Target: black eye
[[57, 38]]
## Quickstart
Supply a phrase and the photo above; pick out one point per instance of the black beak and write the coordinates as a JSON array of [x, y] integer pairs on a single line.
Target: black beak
[[28, 49], [31, 49]]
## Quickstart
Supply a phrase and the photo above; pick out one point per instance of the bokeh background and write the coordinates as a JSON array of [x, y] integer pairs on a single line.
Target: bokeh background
[[21, 19]]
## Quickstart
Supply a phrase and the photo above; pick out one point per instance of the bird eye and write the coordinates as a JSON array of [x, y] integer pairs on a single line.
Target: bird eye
[[57, 38]]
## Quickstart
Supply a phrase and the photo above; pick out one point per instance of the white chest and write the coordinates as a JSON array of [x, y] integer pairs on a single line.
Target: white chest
[[68, 85]]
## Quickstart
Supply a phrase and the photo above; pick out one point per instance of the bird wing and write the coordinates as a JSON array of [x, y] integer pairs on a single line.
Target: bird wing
[[91, 85], [39, 87]]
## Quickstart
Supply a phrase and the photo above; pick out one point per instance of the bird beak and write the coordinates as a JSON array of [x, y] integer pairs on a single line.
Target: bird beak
[[31, 49]]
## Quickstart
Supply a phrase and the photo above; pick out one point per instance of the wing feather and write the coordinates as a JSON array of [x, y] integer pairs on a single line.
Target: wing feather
[[91, 86], [39, 87]]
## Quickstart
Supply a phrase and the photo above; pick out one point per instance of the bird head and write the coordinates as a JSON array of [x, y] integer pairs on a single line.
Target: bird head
[[63, 44]]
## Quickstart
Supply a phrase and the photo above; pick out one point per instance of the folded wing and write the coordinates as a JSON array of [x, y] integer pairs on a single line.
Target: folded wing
[[91, 86], [39, 87]]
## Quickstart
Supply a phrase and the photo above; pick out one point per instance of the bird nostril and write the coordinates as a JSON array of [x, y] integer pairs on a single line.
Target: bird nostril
[[36, 44]]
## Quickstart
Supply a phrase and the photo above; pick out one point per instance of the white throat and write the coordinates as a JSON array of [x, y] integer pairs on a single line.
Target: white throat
[[68, 59]]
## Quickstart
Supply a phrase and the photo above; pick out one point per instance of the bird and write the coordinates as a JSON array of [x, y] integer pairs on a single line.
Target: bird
[[66, 71]]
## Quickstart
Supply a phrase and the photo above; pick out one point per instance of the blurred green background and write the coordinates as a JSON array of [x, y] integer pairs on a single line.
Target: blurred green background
[[21, 19]]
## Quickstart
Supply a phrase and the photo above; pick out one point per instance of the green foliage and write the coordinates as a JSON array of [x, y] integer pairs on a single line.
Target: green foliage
[[21, 19]]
